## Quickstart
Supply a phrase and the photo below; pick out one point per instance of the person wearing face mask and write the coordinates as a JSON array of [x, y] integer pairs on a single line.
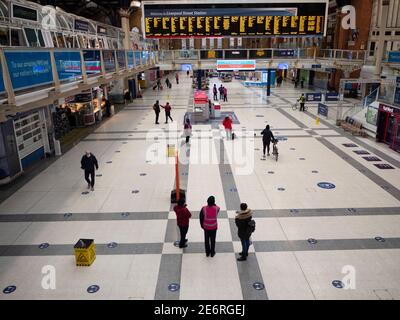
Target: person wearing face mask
[[89, 165]]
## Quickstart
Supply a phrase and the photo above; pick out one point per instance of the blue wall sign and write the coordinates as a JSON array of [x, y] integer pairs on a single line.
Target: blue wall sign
[[2, 88], [92, 61], [316, 96], [131, 62], [138, 55], [394, 56], [68, 65], [29, 68], [81, 25], [323, 109]]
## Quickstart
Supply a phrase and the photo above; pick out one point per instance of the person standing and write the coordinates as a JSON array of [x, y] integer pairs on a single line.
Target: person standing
[[215, 91], [158, 84], [107, 105], [127, 97], [168, 83], [209, 223], [302, 83], [157, 110], [187, 130], [242, 220], [177, 78], [267, 137], [225, 91], [89, 165], [182, 219], [227, 123], [221, 92], [187, 73], [167, 109], [302, 100]]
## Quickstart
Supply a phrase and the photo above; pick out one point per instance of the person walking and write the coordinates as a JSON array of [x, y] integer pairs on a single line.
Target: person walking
[[225, 91], [209, 223], [168, 83], [182, 219], [157, 110], [167, 109], [267, 137], [242, 220], [187, 73], [89, 165], [227, 123], [221, 92], [215, 91], [127, 97], [187, 130], [177, 78], [302, 101], [158, 84]]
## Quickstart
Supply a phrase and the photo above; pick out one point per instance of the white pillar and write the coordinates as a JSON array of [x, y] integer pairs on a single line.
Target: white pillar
[[381, 41], [125, 15]]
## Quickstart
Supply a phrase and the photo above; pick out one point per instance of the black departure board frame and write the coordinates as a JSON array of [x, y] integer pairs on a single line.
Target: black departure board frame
[[234, 19]]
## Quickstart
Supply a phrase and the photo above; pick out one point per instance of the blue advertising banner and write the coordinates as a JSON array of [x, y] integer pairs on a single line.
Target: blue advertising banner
[[394, 56], [332, 96], [92, 61], [145, 57], [81, 25], [109, 60], [2, 88], [28, 68], [68, 65], [316, 96], [121, 59], [138, 58], [323, 109], [131, 62]]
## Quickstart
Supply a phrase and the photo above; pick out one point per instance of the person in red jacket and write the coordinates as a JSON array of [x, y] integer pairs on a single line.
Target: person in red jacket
[[182, 219], [227, 123], [167, 109]]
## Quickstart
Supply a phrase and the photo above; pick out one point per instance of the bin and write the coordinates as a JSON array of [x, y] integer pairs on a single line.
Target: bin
[[171, 150], [216, 110], [85, 252]]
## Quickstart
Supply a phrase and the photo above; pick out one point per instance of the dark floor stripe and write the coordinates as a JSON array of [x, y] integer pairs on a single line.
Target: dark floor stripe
[[170, 272], [293, 119]]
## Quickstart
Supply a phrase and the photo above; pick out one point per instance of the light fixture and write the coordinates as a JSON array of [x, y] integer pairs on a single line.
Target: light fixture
[[135, 4]]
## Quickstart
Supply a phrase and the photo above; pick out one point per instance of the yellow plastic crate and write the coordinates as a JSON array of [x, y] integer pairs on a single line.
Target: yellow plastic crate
[[171, 150], [85, 252]]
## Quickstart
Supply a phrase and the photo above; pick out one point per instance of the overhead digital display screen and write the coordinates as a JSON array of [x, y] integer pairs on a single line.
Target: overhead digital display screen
[[231, 65], [218, 20]]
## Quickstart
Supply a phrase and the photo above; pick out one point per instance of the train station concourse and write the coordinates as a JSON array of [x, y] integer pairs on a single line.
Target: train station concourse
[[212, 150]]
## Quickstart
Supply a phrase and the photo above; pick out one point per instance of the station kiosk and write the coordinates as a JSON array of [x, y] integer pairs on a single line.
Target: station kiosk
[[200, 107]]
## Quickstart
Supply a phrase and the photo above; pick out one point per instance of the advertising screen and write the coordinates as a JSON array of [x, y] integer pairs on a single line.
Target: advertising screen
[[234, 19], [92, 61], [121, 59], [131, 62], [229, 65], [2, 88], [29, 68], [68, 65]]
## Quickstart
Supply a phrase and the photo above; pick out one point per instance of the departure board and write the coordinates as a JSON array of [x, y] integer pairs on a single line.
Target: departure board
[[202, 20]]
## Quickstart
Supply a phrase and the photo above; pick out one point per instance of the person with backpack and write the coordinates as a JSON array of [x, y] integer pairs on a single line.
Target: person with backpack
[[227, 123], [245, 229], [187, 130], [182, 219], [268, 136], [157, 110], [215, 91], [209, 223], [302, 100], [167, 109]]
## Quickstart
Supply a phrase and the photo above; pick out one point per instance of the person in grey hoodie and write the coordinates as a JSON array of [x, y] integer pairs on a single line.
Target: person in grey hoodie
[[242, 220]]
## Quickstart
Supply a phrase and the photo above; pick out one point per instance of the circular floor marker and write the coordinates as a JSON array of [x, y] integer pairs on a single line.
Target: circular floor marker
[[85, 192], [99, 175], [281, 189], [109, 162], [228, 172], [259, 116], [125, 214], [124, 142], [112, 245], [135, 191], [380, 239], [93, 289], [351, 210], [67, 215], [173, 287], [258, 286], [43, 245], [117, 151], [9, 289], [314, 171], [385, 187], [326, 185], [338, 284], [292, 149], [143, 174], [302, 159], [256, 149], [271, 172], [148, 161], [294, 210], [312, 241]]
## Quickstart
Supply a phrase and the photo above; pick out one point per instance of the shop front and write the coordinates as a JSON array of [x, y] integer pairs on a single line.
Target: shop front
[[389, 126]]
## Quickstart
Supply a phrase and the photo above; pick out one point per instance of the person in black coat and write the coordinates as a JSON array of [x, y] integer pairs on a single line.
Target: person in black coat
[[267, 137], [89, 164], [242, 220], [107, 105]]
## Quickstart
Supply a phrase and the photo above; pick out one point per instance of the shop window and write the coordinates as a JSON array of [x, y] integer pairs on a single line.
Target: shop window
[[31, 36], [61, 41], [17, 38], [4, 36], [69, 40]]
